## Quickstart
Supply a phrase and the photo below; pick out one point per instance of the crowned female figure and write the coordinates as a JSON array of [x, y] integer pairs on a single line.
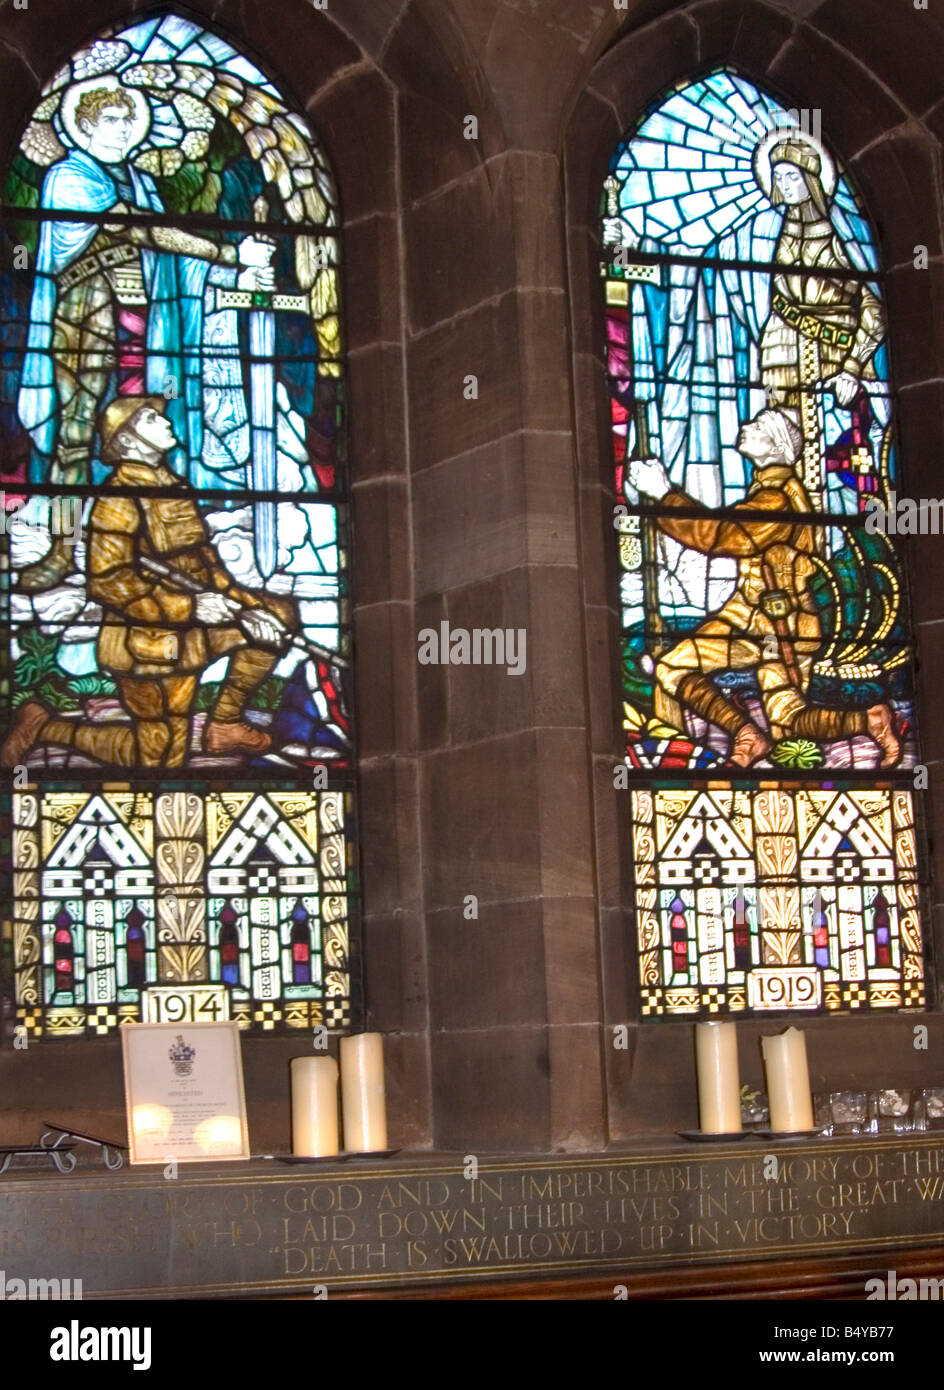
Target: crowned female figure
[[824, 328]]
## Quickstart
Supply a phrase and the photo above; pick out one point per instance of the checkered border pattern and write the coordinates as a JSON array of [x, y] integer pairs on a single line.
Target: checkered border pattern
[[337, 1012], [31, 1020], [267, 1016], [102, 1018], [653, 1001], [713, 998], [855, 995]]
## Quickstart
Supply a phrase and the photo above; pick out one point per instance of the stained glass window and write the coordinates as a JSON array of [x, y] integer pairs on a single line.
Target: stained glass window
[[766, 666], [175, 527]]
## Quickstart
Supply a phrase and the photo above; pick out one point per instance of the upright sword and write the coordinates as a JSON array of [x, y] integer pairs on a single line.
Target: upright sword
[[262, 422], [263, 306]]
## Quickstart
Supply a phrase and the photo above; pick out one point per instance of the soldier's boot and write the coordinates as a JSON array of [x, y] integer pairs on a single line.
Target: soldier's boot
[[881, 723], [226, 731], [27, 725], [749, 746], [699, 694], [52, 569], [878, 721], [220, 736]]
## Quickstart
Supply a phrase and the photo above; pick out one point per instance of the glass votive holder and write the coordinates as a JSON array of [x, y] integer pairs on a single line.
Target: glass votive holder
[[823, 1115], [933, 1097], [849, 1111], [755, 1110], [895, 1106]]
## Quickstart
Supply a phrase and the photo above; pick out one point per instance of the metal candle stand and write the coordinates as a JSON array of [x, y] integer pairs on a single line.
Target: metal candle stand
[[55, 1138], [57, 1143], [62, 1156]]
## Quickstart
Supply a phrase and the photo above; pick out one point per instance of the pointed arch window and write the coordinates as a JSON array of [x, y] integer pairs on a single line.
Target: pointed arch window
[[766, 658], [176, 581]]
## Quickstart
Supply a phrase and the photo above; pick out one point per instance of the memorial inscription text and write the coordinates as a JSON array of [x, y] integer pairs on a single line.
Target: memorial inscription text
[[273, 1231]]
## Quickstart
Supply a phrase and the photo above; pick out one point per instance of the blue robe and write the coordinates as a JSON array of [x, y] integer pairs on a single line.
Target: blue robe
[[174, 285]]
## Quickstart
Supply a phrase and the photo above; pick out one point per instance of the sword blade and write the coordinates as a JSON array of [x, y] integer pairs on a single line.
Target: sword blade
[[262, 434]]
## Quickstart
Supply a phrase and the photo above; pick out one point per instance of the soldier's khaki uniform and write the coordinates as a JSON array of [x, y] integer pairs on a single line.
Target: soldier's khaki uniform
[[149, 640], [774, 570]]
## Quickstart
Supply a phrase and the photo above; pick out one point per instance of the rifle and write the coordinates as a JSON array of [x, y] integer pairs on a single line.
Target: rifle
[[192, 586], [648, 538]]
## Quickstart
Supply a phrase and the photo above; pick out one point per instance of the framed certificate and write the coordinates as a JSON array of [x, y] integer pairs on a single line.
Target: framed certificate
[[184, 1092]]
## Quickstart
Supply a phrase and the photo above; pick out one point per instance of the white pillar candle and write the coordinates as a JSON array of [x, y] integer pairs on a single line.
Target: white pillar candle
[[363, 1103], [719, 1090], [788, 1081], [314, 1106]]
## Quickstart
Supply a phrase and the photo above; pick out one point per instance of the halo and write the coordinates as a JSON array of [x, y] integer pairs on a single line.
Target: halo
[[761, 158], [140, 121]]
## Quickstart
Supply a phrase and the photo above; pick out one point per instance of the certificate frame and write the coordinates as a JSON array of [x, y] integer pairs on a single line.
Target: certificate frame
[[180, 1078]]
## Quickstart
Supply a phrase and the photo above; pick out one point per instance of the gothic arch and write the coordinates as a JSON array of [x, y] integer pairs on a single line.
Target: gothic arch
[[386, 88], [894, 158]]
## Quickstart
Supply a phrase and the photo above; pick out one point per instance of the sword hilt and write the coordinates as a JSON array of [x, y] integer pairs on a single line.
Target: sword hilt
[[260, 213]]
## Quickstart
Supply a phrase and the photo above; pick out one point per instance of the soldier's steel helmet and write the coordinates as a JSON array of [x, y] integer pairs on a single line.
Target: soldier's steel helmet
[[119, 414]]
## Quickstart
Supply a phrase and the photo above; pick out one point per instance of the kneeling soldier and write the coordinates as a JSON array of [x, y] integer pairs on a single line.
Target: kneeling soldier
[[158, 635]]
